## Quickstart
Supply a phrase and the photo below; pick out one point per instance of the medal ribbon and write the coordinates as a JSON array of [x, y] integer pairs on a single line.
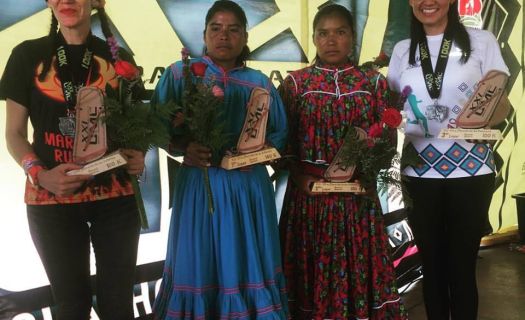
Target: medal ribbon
[[71, 84], [434, 79]]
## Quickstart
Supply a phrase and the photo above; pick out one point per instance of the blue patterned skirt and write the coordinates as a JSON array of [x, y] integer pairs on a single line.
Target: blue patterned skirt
[[224, 265]]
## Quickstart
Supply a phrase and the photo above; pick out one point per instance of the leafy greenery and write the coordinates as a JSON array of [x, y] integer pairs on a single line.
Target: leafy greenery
[[133, 124], [373, 159], [203, 118], [137, 125], [201, 105]]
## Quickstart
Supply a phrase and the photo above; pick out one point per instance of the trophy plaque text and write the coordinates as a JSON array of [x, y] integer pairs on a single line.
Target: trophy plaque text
[[473, 134], [349, 187], [108, 162]]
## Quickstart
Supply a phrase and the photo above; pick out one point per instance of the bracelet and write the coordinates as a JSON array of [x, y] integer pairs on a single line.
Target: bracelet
[[32, 166]]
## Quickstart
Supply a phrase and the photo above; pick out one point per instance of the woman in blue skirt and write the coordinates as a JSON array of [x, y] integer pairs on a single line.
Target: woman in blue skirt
[[223, 265]]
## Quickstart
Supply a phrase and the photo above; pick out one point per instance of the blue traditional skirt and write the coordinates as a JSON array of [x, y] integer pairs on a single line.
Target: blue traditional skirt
[[224, 265]]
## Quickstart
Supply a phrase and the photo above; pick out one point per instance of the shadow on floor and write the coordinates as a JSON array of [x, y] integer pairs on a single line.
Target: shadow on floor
[[501, 286]]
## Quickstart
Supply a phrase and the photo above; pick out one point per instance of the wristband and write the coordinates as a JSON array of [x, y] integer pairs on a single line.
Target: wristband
[[32, 166]]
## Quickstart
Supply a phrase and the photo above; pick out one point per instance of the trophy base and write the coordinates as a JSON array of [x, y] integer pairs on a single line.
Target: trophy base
[[111, 161], [473, 134], [247, 159], [348, 187]]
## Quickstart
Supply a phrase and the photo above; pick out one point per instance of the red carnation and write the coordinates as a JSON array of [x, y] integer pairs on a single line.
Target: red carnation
[[126, 70], [392, 117], [198, 69]]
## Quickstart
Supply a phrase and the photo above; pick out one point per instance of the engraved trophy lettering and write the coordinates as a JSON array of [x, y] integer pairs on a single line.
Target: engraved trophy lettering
[[251, 148], [90, 143], [486, 108]]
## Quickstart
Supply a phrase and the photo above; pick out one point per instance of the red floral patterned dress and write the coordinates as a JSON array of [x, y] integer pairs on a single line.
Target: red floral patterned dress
[[336, 257]]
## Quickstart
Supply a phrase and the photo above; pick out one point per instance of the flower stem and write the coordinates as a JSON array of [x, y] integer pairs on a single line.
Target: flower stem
[[209, 194], [140, 203]]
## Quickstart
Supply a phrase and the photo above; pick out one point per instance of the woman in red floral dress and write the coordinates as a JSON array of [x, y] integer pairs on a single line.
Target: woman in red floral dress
[[335, 249]]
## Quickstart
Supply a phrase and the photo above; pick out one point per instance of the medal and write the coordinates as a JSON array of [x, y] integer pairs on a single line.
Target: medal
[[434, 78], [436, 112], [66, 124]]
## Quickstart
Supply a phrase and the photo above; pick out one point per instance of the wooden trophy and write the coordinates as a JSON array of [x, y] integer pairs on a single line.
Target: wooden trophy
[[338, 175], [251, 148], [90, 144], [486, 108]]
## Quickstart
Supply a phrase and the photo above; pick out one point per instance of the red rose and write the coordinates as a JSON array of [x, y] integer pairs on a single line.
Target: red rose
[[376, 130], [382, 56], [392, 117], [126, 70], [198, 69]]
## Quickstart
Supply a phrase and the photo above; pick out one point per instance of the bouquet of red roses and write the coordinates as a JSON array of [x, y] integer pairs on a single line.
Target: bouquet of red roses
[[374, 155], [201, 104], [132, 123]]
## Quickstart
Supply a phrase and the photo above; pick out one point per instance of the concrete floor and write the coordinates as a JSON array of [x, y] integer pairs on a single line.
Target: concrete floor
[[501, 286]]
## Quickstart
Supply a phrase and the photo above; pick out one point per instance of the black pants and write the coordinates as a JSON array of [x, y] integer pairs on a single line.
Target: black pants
[[448, 218], [62, 234]]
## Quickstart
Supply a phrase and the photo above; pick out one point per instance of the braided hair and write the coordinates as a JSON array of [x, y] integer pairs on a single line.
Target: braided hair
[[53, 35]]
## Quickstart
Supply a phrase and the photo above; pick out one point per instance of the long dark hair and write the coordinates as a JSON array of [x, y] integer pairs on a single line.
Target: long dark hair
[[53, 35], [461, 37], [333, 10], [238, 12]]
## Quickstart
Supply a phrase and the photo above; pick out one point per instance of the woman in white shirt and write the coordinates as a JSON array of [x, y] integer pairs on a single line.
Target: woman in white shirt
[[451, 187]]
